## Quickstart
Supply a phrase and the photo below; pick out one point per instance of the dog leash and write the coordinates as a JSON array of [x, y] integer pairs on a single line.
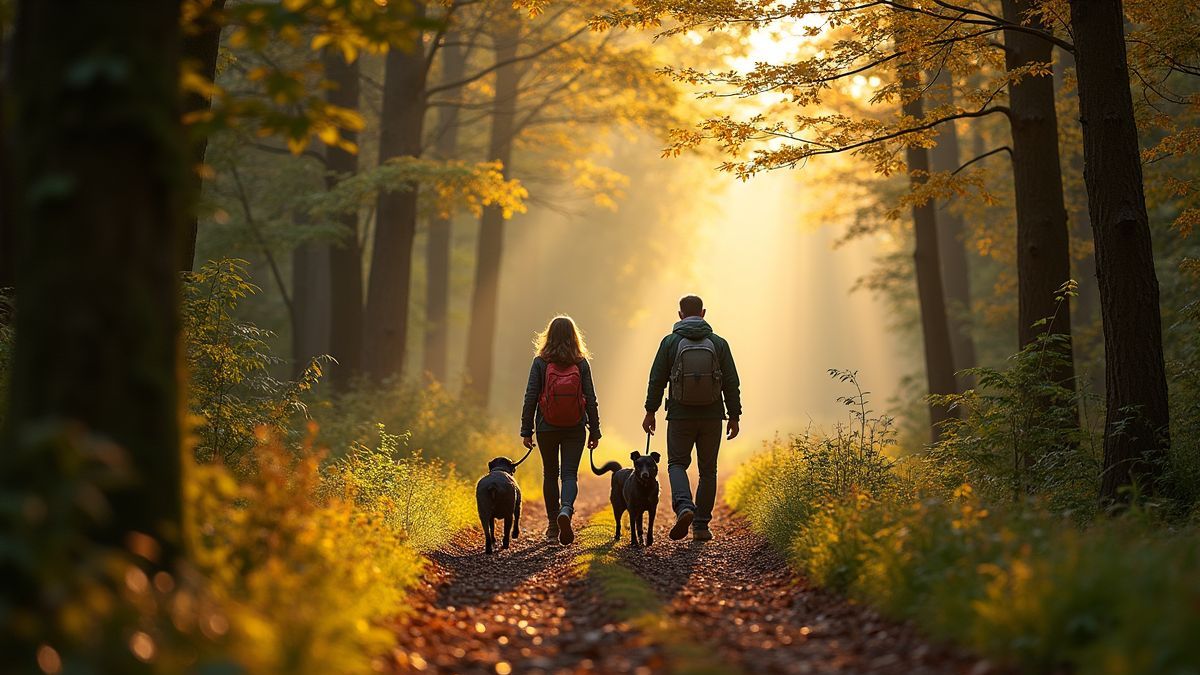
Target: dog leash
[[647, 442], [524, 458]]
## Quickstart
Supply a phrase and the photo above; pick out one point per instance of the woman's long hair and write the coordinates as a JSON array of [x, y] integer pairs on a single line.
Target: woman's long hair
[[561, 342]]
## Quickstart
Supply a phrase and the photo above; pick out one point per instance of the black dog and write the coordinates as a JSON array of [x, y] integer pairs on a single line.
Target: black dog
[[634, 490], [498, 497]]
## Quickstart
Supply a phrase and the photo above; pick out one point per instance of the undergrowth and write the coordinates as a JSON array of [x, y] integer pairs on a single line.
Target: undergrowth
[[297, 551], [1025, 580]]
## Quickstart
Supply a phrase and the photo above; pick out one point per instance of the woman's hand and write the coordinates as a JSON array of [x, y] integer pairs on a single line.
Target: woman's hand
[[593, 442], [527, 441]]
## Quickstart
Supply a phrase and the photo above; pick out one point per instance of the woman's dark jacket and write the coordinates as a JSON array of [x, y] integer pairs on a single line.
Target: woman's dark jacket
[[532, 413]]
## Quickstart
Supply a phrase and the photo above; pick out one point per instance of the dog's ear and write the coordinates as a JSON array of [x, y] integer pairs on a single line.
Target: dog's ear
[[655, 456], [634, 455]]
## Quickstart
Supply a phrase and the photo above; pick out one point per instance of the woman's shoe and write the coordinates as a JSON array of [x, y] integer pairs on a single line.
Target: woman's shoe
[[565, 534], [552, 532]]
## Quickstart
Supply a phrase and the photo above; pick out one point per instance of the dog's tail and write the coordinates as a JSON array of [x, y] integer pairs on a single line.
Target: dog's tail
[[610, 466]]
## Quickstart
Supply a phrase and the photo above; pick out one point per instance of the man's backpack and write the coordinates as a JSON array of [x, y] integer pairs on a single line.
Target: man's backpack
[[562, 399], [696, 373]]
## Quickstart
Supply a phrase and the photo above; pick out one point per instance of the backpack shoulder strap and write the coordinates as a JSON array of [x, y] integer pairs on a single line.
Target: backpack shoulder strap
[[673, 352]]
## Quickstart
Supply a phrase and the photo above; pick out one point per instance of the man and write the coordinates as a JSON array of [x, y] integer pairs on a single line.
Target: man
[[704, 387]]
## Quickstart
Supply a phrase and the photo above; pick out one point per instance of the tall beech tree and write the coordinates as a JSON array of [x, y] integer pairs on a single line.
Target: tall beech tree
[[481, 335], [312, 308], [385, 336], [1137, 425], [951, 230], [1043, 240], [101, 174], [935, 326], [438, 251], [201, 44], [345, 264]]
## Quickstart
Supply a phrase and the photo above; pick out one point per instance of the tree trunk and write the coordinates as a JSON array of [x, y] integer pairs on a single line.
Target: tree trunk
[[956, 272], [311, 289], [8, 241], [344, 266], [101, 169], [200, 47], [385, 334], [437, 253], [1043, 241], [1136, 431], [481, 337], [1087, 303], [939, 366]]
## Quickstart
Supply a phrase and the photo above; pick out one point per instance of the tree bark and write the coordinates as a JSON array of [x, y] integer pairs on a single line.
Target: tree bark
[[1043, 241], [1137, 426], [956, 271], [344, 265], [8, 240], [199, 47], [939, 366], [385, 333], [101, 170], [437, 253], [481, 337], [311, 289], [1087, 302]]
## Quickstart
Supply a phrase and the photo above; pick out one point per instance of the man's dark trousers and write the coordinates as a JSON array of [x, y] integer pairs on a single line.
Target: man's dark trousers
[[705, 436]]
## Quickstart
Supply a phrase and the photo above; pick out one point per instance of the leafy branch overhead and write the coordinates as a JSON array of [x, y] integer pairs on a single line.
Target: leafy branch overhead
[[281, 99], [444, 185]]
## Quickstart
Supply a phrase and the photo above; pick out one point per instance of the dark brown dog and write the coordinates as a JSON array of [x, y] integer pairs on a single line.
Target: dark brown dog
[[498, 498], [634, 490]]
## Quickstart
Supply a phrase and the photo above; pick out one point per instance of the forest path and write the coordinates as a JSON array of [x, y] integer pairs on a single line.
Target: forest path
[[731, 605]]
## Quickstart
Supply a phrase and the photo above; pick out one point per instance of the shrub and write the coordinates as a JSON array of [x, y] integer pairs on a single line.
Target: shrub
[[306, 576], [422, 500], [1020, 582], [231, 390], [1018, 433]]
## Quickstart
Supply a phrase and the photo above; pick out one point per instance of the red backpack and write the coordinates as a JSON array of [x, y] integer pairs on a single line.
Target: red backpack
[[562, 395]]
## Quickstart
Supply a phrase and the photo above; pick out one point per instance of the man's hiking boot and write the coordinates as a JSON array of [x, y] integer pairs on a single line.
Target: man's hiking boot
[[552, 532], [701, 533], [682, 521], [565, 534]]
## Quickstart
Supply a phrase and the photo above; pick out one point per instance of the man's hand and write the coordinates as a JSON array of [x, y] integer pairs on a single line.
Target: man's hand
[[733, 429], [648, 424], [527, 441], [593, 442]]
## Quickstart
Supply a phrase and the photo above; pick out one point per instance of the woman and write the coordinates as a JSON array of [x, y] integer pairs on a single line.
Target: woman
[[560, 401]]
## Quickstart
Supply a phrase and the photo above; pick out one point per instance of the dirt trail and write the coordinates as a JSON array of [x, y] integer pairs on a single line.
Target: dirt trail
[[534, 608]]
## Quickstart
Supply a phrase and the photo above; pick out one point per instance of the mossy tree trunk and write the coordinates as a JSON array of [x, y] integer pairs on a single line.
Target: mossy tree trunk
[[103, 197]]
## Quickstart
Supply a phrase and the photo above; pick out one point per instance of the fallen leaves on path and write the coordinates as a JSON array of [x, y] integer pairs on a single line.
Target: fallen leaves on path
[[533, 609]]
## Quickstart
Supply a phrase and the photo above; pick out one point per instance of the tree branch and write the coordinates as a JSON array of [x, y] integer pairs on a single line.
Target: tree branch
[[989, 153], [500, 64]]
